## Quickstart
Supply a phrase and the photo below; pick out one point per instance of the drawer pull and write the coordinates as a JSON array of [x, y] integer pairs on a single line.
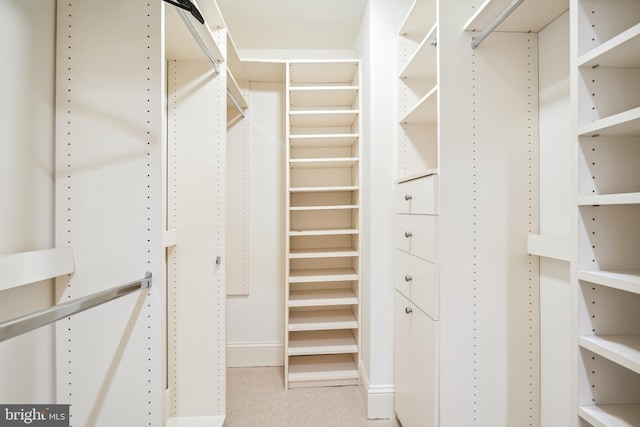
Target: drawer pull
[[408, 310], [408, 278], [408, 197], [407, 234]]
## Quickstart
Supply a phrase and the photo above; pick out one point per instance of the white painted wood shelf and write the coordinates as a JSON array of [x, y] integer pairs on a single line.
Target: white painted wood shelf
[[322, 297], [322, 275], [423, 63], [338, 367], [323, 118], [323, 96], [306, 343], [621, 349], [324, 232], [628, 281], [323, 163], [323, 253], [323, 189], [626, 123], [426, 109], [528, 17], [323, 140], [317, 320], [611, 415], [618, 52], [416, 175], [554, 247], [610, 199], [323, 208], [420, 18]]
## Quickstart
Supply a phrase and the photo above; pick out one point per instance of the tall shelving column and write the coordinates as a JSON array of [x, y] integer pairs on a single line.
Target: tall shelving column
[[322, 309], [607, 272], [416, 231]]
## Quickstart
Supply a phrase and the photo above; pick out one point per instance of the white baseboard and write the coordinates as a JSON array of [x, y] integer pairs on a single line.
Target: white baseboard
[[210, 421], [378, 400], [246, 354]]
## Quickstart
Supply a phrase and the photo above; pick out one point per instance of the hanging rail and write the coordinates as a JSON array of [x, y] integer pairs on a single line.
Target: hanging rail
[[475, 42], [29, 322]]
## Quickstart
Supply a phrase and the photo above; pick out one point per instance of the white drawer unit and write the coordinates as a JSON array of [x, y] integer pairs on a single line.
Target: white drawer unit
[[416, 365], [417, 235], [418, 196], [417, 280]]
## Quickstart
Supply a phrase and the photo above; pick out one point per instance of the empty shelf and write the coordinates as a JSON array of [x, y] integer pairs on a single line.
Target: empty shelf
[[342, 162], [322, 208], [619, 52], [425, 111], [322, 342], [628, 281], [610, 199], [324, 232], [621, 349], [323, 140], [322, 275], [323, 96], [423, 63], [323, 253], [422, 15], [318, 320], [322, 368], [626, 123], [323, 189], [611, 415], [322, 118], [322, 297], [530, 16]]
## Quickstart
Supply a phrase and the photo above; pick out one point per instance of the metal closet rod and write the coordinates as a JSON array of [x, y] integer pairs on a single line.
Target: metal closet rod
[[475, 42], [20, 325]]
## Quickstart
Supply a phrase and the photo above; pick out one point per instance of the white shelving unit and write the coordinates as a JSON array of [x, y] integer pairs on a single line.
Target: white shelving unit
[[607, 103], [323, 222]]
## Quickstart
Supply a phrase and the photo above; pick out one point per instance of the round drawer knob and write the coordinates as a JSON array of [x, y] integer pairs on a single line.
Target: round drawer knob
[[408, 310], [408, 234], [408, 197], [408, 278]]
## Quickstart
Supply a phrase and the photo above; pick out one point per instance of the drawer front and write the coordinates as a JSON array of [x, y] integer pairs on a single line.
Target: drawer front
[[418, 196], [416, 366], [417, 235], [417, 279]]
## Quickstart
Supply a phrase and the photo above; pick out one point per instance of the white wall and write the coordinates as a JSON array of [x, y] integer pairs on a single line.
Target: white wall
[[255, 323], [27, 47], [555, 220], [377, 45]]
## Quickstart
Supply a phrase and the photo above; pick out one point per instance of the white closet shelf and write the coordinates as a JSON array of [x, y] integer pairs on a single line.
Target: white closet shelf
[[610, 199], [323, 140], [555, 247], [323, 96], [530, 16], [29, 267], [322, 208], [626, 123], [322, 368], [621, 349], [322, 297], [323, 189], [322, 275], [322, 253], [321, 320], [421, 15], [306, 343], [323, 232], [338, 162], [323, 72], [323, 118], [628, 280], [619, 52], [425, 111], [423, 63], [611, 415]]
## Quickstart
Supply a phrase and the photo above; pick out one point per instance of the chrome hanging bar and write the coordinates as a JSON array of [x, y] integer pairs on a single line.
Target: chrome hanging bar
[[475, 42], [236, 104], [29, 322]]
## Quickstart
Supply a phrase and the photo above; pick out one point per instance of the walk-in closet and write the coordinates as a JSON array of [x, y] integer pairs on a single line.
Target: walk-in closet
[[416, 213]]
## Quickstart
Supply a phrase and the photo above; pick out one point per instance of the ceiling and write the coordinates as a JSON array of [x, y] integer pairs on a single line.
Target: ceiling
[[293, 24]]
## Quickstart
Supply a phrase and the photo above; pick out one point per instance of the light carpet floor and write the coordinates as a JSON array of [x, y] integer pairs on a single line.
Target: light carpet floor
[[256, 398]]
